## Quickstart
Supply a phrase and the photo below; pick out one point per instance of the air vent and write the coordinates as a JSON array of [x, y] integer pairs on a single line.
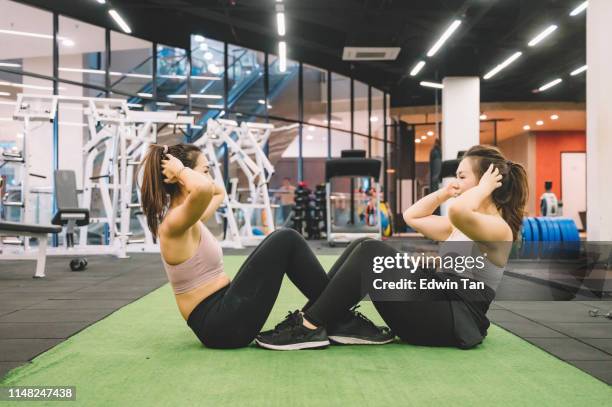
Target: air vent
[[370, 53]]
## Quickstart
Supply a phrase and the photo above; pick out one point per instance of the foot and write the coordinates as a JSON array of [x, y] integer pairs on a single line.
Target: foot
[[291, 334], [359, 330]]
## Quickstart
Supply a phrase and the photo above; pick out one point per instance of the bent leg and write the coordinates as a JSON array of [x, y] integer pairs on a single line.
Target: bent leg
[[244, 308]]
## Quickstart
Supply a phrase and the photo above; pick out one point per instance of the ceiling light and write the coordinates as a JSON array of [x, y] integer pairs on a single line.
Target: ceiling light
[[163, 104], [261, 102], [311, 128], [374, 119], [203, 96], [5, 94], [581, 7], [417, 68], [309, 137], [10, 65], [578, 70], [215, 106], [120, 21], [67, 42], [145, 95], [177, 96], [431, 85], [554, 117], [526, 127], [417, 140], [280, 23], [213, 68], [550, 84], [282, 53], [199, 38], [25, 86], [540, 123], [206, 78], [423, 137], [27, 34], [81, 70], [449, 31], [501, 66], [208, 56], [101, 1], [430, 133], [483, 117], [538, 38]]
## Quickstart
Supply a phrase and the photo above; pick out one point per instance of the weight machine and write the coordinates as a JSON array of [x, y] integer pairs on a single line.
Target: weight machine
[[245, 147]]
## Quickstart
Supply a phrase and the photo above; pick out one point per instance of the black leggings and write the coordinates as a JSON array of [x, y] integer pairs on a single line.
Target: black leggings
[[425, 318], [234, 315]]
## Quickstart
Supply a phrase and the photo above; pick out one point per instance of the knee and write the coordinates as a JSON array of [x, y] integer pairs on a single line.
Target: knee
[[286, 234]]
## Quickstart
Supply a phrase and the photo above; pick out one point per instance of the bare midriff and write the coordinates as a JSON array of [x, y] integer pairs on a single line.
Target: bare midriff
[[189, 300]]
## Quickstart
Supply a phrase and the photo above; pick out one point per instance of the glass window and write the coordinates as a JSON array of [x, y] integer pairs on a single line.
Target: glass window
[[246, 75], [207, 85], [84, 62], [26, 35], [340, 140], [131, 66], [341, 102], [172, 68], [283, 92], [377, 113], [361, 108]]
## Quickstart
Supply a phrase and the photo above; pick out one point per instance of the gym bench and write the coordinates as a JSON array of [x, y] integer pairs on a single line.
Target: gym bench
[[40, 232]]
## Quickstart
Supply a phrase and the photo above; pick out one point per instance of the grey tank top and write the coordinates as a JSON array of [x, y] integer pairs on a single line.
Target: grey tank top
[[459, 244]]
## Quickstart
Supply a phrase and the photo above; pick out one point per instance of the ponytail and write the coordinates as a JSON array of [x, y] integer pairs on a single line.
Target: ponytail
[[155, 194], [511, 197]]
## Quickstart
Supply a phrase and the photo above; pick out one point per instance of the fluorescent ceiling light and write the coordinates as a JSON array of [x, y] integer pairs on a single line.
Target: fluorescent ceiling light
[[550, 84], [131, 75], [430, 133], [10, 65], [261, 102], [526, 127], [579, 70], [65, 41], [5, 94], [501, 66], [120, 21], [206, 78], [164, 104], [431, 85], [135, 105], [540, 123], [417, 68], [554, 117], [581, 7], [538, 38], [145, 95], [282, 53], [177, 96], [280, 23], [202, 96], [199, 38], [374, 119], [449, 31], [101, 1], [25, 86], [80, 70], [215, 106]]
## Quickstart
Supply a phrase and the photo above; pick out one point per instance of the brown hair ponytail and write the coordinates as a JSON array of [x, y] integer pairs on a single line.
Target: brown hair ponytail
[[155, 194], [511, 197]]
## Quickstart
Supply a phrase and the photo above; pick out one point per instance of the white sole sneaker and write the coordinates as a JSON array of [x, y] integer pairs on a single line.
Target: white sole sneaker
[[294, 346], [348, 340]]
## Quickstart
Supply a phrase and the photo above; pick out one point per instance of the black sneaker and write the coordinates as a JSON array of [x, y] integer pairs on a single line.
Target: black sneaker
[[359, 330], [291, 334]]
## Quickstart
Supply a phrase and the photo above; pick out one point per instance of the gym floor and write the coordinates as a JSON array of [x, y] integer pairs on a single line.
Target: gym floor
[[37, 315]]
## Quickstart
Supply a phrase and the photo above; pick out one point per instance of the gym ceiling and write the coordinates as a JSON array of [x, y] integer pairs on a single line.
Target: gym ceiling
[[318, 30]]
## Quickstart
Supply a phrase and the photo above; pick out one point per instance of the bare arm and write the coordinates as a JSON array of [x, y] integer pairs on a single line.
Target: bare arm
[[215, 203], [478, 226], [419, 216], [199, 189]]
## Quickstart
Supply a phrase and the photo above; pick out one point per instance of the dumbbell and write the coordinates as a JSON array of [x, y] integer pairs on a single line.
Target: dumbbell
[[78, 264]]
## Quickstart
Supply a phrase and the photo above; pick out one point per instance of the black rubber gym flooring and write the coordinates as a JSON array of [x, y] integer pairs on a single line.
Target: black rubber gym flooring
[[35, 315]]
